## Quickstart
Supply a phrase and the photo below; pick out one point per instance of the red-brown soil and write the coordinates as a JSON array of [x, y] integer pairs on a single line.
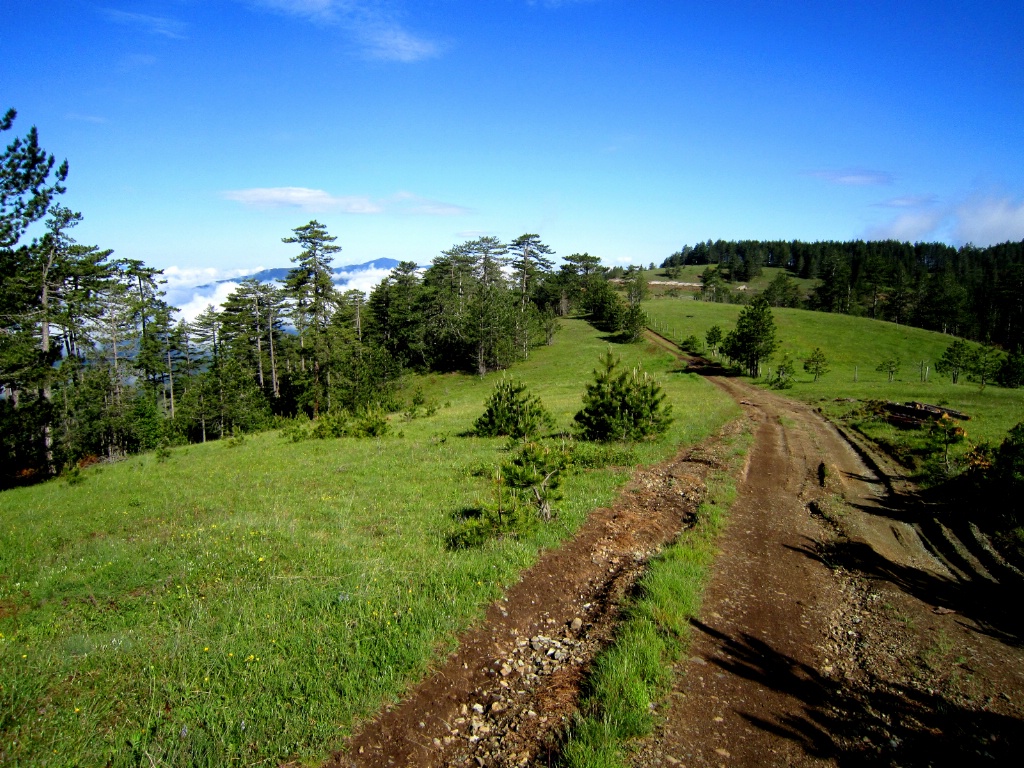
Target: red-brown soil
[[837, 627], [503, 696], [843, 624]]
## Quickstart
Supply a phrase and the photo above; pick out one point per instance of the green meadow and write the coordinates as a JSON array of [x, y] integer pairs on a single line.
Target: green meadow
[[250, 600], [692, 272], [854, 347]]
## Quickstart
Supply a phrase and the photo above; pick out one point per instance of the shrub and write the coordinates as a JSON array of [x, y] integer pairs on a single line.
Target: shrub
[[534, 474], [783, 377], [505, 517], [296, 431], [330, 424], [512, 412], [622, 406], [372, 422]]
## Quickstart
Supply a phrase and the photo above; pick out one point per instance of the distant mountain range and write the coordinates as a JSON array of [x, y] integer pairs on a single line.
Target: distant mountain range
[[278, 274]]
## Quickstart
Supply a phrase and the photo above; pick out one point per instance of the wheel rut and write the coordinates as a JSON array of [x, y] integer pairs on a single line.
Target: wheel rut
[[835, 630]]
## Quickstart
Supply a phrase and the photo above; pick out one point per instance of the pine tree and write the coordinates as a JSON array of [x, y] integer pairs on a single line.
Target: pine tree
[[753, 340], [817, 363], [310, 286], [955, 360], [628, 405]]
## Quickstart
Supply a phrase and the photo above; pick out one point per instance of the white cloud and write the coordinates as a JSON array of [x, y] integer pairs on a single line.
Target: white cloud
[[187, 277], [155, 25], [990, 220], [911, 227], [909, 201], [374, 28], [364, 280], [320, 201], [983, 221], [315, 200], [392, 43], [198, 301], [854, 177]]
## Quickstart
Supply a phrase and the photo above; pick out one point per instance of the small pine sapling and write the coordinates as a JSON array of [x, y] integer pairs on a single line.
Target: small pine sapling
[[817, 363], [512, 411], [783, 377], [628, 405], [535, 474], [890, 366]]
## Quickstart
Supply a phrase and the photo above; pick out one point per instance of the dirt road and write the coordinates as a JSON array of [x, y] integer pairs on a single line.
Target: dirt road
[[826, 637], [842, 625]]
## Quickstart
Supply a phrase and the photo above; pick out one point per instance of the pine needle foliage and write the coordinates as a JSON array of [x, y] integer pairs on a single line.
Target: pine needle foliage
[[622, 405], [512, 411], [535, 475]]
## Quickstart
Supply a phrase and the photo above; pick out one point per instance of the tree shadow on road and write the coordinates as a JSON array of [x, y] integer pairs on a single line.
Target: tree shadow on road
[[868, 721], [981, 586]]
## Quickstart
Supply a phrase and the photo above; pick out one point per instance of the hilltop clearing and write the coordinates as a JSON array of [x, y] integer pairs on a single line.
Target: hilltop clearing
[[255, 597], [841, 625]]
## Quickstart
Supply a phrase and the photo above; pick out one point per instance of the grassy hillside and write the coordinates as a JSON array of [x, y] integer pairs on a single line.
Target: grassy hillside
[[691, 274], [854, 347], [251, 600]]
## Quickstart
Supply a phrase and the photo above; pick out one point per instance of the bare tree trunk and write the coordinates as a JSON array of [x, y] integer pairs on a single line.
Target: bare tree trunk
[[170, 378], [259, 340], [273, 363], [44, 346]]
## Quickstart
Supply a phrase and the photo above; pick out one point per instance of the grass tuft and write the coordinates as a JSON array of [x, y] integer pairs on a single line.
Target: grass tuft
[[631, 675]]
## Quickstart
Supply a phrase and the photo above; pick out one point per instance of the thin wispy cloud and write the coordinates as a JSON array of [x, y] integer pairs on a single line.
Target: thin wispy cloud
[[853, 177], [983, 221], [912, 227], [407, 202], [80, 118], [321, 201], [312, 200], [373, 27], [909, 201], [989, 220], [161, 26]]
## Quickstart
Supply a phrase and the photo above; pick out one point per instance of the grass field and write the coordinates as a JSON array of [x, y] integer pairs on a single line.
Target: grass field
[[691, 274], [250, 601], [854, 347]]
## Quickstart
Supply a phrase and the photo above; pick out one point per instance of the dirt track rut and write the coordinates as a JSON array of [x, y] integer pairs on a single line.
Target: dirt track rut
[[768, 604], [843, 638], [836, 630]]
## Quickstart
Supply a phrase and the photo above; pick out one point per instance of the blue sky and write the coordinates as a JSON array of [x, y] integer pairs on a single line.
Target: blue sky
[[199, 133]]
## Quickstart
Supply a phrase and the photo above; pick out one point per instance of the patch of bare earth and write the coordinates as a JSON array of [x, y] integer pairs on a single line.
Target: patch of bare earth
[[843, 624], [503, 697]]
